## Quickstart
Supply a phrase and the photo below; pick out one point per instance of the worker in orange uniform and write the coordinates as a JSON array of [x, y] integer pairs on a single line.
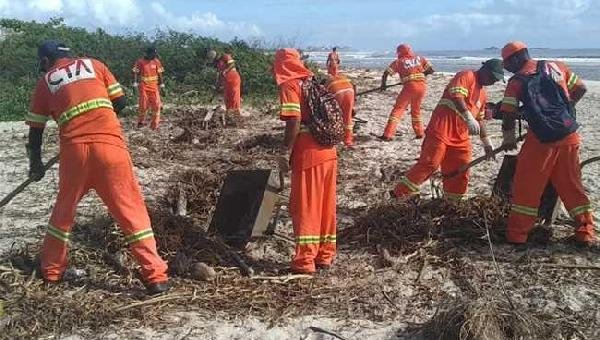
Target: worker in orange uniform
[[458, 115], [548, 153], [314, 170], [229, 79], [345, 94], [412, 69], [333, 62], [149, 69], [84, 98]]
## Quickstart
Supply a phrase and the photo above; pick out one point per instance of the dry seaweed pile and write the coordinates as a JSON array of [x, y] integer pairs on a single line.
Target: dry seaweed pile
[[265, 143], [485, 318], [406, 226]]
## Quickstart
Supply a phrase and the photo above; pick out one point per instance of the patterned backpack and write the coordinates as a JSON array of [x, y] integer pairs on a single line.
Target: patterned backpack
[[326, 123]]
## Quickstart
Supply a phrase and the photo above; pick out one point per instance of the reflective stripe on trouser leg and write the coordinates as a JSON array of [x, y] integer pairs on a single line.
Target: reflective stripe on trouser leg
[[346, 101], [116, 184], [307, 206], [328, 240], [402, 102], [73, 178], [432, 153], [535, 163], [232, 92], [566, 179], [418, 90], [455, 188]]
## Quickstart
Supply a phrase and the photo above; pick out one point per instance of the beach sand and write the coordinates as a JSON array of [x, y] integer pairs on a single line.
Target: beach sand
[[25, 218]]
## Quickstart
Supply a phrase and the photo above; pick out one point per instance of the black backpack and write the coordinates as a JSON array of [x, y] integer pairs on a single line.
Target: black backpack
[[326, 123], [546, 107]]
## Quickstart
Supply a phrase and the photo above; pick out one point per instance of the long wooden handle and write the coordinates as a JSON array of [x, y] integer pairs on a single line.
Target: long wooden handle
[[375, 89], [24, 185], [479, 160]]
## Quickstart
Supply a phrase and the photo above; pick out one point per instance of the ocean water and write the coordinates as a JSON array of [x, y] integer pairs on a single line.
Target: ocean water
[[584, 62]]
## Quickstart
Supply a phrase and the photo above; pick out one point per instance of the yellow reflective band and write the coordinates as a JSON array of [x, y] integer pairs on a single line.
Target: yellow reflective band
[[460, 90], [448, 103], [114, 89], [455, 197], [414, 76], [328, 239], [394, 120], [572, 81], [140, 235], [230, 61], [313, 239], [83, 108], [34, 117], [512, 101], [290, 107], [149, 79], [580, 210], [410, 185], [524, 210], [58, 234]]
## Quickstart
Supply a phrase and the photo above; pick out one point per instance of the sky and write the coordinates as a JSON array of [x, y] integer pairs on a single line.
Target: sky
[[360, 24]]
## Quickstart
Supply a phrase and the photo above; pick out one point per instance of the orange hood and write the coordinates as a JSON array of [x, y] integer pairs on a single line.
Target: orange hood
[[404, 50], [288, 66]]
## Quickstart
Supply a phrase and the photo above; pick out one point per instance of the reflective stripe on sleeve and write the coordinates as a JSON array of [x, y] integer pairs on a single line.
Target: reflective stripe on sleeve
[[455, 197], [290, 107], [572, 81], [114, 89], [36, 118], [459, 90], [410, 185], [512, 101]]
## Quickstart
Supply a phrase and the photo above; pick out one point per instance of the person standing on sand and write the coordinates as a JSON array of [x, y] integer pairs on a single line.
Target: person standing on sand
[[84, 98], [333, 62], [551, 148], [458, 115], [412, 69], [314, 170], [345, 94], [229, 79], [150, 71]]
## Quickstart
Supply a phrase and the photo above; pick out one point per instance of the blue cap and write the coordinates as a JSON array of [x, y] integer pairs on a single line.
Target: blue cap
[[52, 49]]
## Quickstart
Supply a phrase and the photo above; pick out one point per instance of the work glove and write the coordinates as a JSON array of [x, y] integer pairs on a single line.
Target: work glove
[[36, 166], [509, 139], [135, 84], [472, 124], [488, 147]]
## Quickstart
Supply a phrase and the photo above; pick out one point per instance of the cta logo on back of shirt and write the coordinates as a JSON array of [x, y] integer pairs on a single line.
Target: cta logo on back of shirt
[[412, 62], [78, 69]]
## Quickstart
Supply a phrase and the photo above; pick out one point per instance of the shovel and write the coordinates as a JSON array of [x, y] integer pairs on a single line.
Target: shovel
[[375, 89], [24, 185]]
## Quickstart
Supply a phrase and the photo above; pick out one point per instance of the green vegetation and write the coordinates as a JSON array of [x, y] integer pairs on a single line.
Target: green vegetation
[[182, 55]]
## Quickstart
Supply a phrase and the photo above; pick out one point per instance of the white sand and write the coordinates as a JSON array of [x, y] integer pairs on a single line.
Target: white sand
[[24, 219]]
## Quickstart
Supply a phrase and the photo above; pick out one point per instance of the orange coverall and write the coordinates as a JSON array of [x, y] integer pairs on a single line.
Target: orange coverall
[[538, 162], [410, 67], [333, 63], [77, 94], [149, 92], [343, 90], [232, 83], [447, 142], [314, 173]]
